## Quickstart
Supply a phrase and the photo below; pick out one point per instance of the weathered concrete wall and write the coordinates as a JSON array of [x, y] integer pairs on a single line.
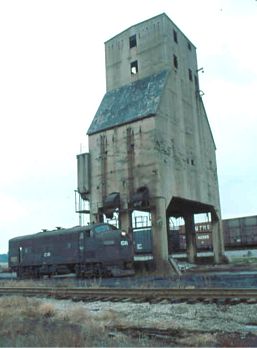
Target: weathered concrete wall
[[186, 150], [117, 177], [155, 50]]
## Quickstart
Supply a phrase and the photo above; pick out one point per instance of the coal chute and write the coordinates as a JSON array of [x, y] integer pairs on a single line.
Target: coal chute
[[111, 204]]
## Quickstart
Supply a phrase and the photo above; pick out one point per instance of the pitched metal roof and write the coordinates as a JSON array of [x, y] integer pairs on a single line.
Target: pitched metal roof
[[129, 103]]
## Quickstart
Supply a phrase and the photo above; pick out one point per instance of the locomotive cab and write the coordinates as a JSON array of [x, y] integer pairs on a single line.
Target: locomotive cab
[[108, 248]]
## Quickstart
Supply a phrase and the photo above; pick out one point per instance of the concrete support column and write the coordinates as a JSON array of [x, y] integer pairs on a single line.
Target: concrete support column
[[190, 238], [217, 240], [160, 239], [125, 220], [96, 217]]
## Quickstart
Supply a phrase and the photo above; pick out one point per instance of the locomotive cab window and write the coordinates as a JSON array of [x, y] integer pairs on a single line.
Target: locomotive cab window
[[104, 228], [88, 233], [81, 241], [101, 229], [20, 254]]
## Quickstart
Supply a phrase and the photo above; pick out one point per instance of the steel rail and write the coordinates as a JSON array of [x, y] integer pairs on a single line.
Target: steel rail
[[144, 294]]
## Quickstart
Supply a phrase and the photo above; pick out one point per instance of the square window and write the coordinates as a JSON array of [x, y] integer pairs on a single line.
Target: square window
[[132, 41], [134, 68]]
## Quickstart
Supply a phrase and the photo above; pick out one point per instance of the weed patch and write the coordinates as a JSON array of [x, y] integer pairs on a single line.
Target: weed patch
[[29, 322]]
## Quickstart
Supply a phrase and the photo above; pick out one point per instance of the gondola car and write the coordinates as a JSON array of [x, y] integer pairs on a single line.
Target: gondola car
[[93, 250]]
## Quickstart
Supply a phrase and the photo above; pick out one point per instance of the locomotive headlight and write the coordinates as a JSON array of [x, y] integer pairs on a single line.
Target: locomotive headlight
[[123, 233]]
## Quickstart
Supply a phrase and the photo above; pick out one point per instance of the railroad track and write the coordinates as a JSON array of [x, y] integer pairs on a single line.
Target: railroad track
[[153, 295]]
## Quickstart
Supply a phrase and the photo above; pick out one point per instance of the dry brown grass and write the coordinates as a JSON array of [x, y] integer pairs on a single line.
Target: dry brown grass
[[46, 310], [29, 322], [52, 283], [23, 284], [32, 322], [44, 283]]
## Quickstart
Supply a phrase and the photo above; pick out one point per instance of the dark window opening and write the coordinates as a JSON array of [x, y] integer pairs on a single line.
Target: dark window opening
[[134, 68], [132, 41], [190, 75], [88, 233], [175, 36], [20, 255], [189, 46], [196, 83], [175, 61]]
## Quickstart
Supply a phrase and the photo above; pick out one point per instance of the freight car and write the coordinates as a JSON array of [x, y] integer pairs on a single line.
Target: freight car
[[176, 241], [93, 250], [177, 238], [239, 233]]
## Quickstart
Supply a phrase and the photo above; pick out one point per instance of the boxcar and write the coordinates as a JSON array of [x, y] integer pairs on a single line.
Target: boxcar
[[240, 232]]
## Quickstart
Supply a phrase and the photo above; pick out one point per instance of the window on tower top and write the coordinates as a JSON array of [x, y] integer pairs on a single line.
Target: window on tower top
[[134, 68], [132, 41], [175, 36], [175, 61], [190, 75]]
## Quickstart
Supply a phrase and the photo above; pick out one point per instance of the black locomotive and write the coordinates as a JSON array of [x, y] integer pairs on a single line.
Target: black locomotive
[[93, 250]]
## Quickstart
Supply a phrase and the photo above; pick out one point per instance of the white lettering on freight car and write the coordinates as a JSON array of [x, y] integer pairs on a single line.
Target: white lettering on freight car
[[203, 236]]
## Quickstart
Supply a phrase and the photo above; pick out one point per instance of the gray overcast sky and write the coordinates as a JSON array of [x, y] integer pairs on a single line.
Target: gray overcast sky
[[52, 79]]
